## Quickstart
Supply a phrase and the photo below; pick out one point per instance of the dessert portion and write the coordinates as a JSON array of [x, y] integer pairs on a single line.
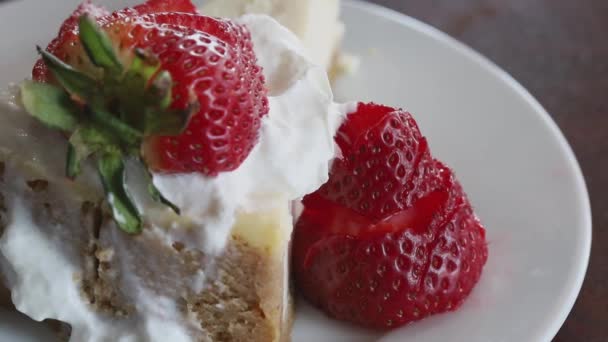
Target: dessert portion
[[189, 140], [316, 22], [169, 218]]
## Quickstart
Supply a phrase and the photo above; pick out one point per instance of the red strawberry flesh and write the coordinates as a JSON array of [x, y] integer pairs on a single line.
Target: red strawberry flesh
[[391, 238], [68, 33], [220, 72]]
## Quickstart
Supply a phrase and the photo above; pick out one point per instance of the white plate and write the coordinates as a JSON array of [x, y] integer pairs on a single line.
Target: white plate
[[514, 162]]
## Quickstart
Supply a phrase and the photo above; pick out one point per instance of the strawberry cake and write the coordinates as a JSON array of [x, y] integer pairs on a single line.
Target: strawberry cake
[[169, 174]]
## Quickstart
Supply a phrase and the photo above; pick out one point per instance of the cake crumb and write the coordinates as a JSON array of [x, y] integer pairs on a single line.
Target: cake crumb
[[105, 255], [348, 64], [38, 185]]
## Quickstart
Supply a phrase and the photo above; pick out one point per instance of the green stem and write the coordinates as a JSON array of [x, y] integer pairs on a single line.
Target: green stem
[[112, 171]]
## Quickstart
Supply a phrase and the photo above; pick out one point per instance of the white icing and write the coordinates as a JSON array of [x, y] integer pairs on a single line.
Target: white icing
[[41, 259]]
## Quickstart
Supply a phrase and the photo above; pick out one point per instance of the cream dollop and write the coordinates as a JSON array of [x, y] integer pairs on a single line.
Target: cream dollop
[[294, 152], [316, 22], [41, 260]]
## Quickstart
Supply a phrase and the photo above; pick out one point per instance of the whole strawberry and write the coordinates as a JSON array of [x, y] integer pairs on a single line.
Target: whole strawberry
[[391, 238], [157, 82]]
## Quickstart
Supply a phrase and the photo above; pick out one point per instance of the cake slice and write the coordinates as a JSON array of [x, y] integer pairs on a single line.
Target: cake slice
[[85, 281], [193, 244], [69, 257]]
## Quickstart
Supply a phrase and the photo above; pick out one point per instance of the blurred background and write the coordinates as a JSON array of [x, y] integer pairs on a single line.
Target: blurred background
[[558, 49]]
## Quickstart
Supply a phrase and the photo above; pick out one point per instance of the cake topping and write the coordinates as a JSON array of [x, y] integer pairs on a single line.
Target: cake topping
[[178, 91], [391, 238]]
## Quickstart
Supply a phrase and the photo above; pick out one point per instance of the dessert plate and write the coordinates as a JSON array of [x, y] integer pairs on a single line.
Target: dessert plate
[[511, 157]]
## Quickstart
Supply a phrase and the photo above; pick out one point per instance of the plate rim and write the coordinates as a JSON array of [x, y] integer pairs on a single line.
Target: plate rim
[[548, 332]]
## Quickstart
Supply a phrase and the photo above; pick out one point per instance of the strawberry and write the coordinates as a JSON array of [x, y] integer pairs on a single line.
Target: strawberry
[[214, 61], [68, 33], [391, 238], [179, 91]]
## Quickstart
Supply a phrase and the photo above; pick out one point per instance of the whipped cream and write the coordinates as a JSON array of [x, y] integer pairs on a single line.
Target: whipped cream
[[42, 261], [315, 22], [295, 148]]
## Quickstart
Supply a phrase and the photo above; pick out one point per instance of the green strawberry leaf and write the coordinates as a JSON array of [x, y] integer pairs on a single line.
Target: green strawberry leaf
[[93, 139], [155, 193], [144, 66], [73, 163], [158, 197], [84, 142], [112, 171], [98, 46], [159, 119], [137, 90], [159, 92], [110, 110], [168, 123], [117, 127], [49, 104], [74, 81]]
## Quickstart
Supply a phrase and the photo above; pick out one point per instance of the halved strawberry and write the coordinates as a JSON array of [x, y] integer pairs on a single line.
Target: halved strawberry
[[181, 91], [391, 237]]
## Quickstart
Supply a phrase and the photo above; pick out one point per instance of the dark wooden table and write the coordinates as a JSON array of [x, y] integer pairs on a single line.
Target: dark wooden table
[[558, 49]]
